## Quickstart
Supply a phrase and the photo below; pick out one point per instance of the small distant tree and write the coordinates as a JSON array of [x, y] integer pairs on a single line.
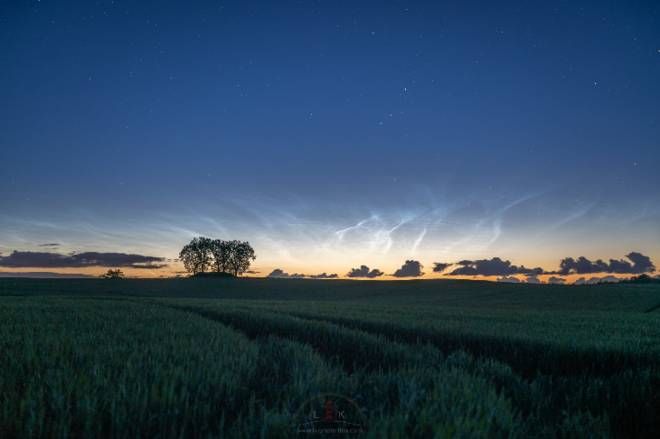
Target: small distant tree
[[242, 255], [196, 255], [113, 274], [222, 255]]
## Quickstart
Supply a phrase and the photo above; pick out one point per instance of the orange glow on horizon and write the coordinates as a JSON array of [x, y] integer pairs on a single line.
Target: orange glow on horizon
[[262, 272]]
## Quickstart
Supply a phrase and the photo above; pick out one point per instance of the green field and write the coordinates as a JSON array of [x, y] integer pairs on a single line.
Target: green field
[[242, 357]]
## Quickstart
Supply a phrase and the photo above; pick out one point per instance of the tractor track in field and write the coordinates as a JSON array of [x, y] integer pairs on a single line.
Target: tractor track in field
[[527, 358], [519, 360], [653, 308], [331, 350], [416, 348]]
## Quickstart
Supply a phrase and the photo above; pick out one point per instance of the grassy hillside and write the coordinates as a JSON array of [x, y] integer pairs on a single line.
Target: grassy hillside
[[243, 357]]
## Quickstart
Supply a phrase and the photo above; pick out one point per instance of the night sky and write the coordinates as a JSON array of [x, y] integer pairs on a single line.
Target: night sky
[[331, 134]]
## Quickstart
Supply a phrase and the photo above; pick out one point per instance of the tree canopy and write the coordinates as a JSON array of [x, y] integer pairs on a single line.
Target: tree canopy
[[196, 255], [202, 254]]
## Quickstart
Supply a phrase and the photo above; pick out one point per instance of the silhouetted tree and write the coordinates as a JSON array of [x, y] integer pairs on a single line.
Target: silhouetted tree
[[222, 254], [113, 274], [196, 255], [242, 254]]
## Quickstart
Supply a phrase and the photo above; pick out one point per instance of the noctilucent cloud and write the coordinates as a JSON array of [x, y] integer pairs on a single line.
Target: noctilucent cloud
[[332, 134]]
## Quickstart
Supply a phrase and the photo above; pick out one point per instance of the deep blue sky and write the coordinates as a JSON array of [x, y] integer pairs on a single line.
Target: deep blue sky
[[332, 133]]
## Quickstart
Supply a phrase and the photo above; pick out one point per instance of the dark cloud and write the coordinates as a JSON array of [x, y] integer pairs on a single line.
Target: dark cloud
[[616, 266], [439, 267], [556, 280], [364, 271], [492, 267], [409, 269], [641, 263], [637, 263], [582, 265], [281, 274], [88, 259], [508, 279], [324, 275], [44, 275], [49, 244]]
